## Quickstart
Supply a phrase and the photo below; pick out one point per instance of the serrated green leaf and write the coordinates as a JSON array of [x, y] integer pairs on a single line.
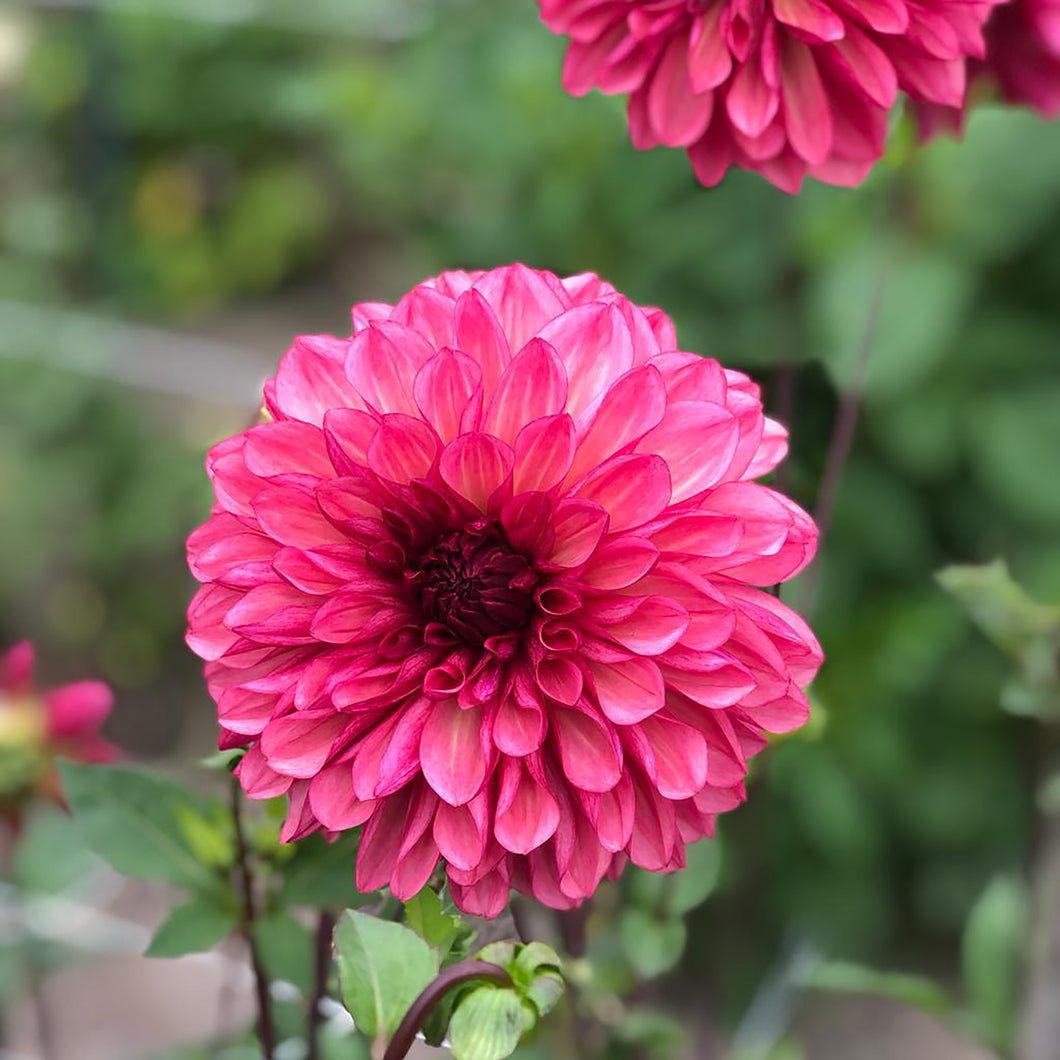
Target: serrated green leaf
[[382, 968], [131, 818], [992, 957], [322, 874], [197, 925], [488, 1023], [652, 946]]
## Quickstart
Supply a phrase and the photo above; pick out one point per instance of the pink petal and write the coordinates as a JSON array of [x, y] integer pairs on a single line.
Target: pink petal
[[404, 448], [382, 364], [578, 525], [444, 389], [451, 752], [619, 562], [674, 755], [479, 335], [628, 691], [333, 801], [258, 779], [544, 450], [632, 489], [590, 758], [284, 447], [309, 382], [533, 385], [475, 465], [460, 832], [678, 114], [656, 625], [273, 614], [527, 815], [523, 301], [299, 744], [807, 115], [595, 346], [78, 709]]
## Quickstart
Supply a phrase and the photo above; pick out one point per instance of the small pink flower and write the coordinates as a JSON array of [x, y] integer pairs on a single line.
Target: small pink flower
[[37, 726], [788, 88], [488, 585]]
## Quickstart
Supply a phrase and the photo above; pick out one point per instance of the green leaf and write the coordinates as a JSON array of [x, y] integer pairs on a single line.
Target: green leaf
[[322, 874], [425, 915], [50, 854], [847, 977], [211, 839], [694, 884], [531, 959], [131, 818], [501, 952], [992, 957], [545, 990], [197, 925], [382, 968], [286, 949], [488, 1024], [650, 945]]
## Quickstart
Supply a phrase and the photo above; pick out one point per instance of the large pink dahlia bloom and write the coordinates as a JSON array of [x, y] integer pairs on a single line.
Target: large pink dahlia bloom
[[488, 585], [786, 87]]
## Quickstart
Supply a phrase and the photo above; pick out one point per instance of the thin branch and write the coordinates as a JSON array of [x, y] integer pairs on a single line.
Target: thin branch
[[572, 928], [844, 431], [325, 929], [455, 975], [266, 1031]]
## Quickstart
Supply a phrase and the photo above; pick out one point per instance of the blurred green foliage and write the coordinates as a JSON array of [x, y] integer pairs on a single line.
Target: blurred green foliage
[[199, 171]]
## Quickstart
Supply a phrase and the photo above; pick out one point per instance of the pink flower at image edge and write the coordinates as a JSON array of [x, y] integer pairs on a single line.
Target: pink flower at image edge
[[490, 584], [788, 88], [63, 721]]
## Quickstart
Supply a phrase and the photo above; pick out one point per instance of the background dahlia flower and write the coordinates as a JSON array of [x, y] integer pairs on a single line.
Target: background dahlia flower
[[1022, 60], [38, 726], [786, 87], [488, 585]]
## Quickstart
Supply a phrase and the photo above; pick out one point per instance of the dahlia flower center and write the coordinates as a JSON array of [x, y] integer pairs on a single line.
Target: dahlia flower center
[[473, 582]]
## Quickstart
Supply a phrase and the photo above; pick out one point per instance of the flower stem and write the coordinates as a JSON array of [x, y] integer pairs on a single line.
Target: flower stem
[[463, 972], [266, 1031], [325, 929]]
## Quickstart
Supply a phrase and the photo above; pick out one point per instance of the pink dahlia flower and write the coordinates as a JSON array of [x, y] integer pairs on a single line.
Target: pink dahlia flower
[[487, 585], [36, 726], [786, 87], [1022, 60]]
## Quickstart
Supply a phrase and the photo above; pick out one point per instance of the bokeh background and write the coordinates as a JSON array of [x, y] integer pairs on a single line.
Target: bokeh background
[[187, 184]]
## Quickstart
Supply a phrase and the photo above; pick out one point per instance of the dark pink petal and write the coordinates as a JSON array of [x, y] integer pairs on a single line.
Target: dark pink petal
[[460, 832], [476, 465], [632, 489], [807, 115], [451, 752], [673, 755], [382, 364], [444, 388], [294, 518], [332, 798], [401, 759], [697, 439], [300, 743], [16, 667], [628, 690], [519, 728], [348, 433], [523, 301], [544, 450], [588, 752], [527, 815], [404, 448], [632, 407], [286, 447], [479, 335], [595, 346], [309, 381], [258, 779], [579, 525], [560, 679], [273, 614], [655, 624], [619, 562], [679, 113], [533, 385], [77, 709]]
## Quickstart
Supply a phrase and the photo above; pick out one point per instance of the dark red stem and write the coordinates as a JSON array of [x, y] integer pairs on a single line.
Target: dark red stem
[[266, 1031], [464, 972], [325, 929]]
